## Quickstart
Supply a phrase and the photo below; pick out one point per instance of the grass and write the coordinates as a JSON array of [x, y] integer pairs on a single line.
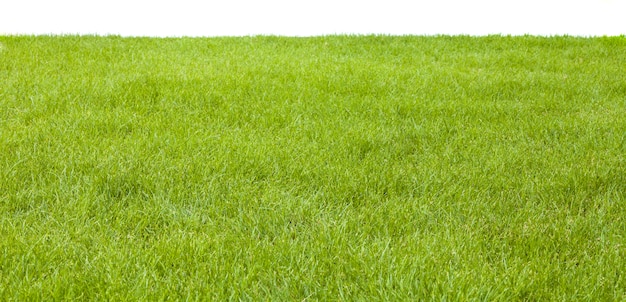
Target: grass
[[324, 168]]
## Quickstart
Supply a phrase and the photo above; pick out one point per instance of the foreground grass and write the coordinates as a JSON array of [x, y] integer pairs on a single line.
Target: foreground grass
[[313, 168]]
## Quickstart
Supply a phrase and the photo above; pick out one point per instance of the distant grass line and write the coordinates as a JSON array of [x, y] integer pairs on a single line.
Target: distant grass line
[[322, 168]]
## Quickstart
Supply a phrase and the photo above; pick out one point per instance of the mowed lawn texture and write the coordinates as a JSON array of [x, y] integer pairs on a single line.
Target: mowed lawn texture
[[323, 168]]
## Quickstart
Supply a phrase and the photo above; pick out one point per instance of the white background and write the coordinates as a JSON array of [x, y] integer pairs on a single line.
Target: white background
[[307, 17]]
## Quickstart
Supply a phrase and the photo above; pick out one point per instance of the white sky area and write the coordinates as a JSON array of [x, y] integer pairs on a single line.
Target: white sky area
[[312, 18]]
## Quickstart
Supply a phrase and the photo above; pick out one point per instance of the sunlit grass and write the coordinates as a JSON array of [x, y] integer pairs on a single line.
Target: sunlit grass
[[340, 167]]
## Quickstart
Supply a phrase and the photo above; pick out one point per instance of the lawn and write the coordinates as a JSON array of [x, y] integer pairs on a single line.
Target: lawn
[[323, 168]]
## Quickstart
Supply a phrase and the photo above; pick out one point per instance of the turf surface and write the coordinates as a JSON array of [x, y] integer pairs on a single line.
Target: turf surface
[[325, 168]]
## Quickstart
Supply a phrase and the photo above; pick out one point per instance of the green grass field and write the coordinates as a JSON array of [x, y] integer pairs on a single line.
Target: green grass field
[[325, 168]]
